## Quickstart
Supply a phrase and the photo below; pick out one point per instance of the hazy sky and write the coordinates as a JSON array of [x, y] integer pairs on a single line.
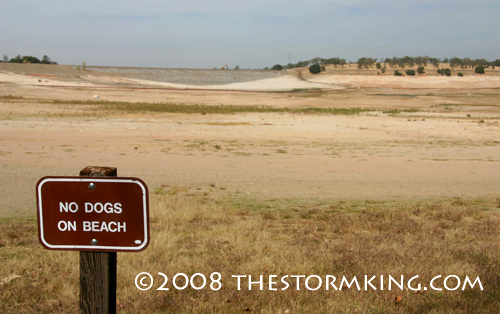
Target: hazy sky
[[251, 34]]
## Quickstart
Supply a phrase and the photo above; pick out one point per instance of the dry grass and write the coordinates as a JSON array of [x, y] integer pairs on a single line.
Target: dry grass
[[277, 237], [100, 107]]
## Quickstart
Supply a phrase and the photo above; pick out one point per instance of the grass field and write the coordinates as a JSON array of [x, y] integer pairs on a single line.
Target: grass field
[[243, 236]]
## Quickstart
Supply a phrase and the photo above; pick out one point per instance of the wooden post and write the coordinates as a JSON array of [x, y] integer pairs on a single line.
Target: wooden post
[[98, 269]]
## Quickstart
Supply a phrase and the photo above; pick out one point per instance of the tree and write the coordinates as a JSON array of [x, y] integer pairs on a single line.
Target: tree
[[447, 72], [315, 68], [479, 69], [454, 62], [46, 60], [5, 58], [397, 73], [237, 67], [30, 59], [84, 65], [421, 70], [277, 67], [17, 59], [410, 72], [365, 62], [497, 62]]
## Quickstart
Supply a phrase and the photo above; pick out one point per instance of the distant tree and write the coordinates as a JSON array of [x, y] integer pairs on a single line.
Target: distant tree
[[460, 74], [29, 59], [479, 69], [46, 60], [266, 68], [277, 67], [17, 59], [379, 65], [365, 62], [446, 60], [409, 60], [421, 70], [455, 62], [362, 62], [497, 62], [397, 73], [315, 68], [447, 72], [343, 62], [322, 68], [237, 67], [316, 60], [410, 72], [84, 65], [6, 58]]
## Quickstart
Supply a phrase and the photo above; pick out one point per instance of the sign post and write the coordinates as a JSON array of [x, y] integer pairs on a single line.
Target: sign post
[[98, 214]]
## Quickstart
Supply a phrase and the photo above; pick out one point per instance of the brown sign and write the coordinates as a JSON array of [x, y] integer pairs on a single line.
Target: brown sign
[[108, 214]]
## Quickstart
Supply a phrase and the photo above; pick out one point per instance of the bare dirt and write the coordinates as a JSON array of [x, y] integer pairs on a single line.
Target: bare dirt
[[449, 146]]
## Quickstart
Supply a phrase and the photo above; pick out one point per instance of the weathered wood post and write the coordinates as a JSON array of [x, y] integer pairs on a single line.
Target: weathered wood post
[[98, 269]]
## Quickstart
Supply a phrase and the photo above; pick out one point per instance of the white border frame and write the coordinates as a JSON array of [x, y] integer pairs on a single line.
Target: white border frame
[[94, 179]]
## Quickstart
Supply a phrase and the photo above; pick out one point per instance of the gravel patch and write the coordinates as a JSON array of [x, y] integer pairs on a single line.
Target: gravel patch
[[199, 77]]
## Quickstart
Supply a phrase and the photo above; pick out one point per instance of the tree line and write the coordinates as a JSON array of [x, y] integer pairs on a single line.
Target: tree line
[[395, 62], [320, 61], [28, 59]]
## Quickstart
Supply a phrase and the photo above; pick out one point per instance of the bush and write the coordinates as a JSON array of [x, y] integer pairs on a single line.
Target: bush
[[277, 67], [397, 73], [444, 71], [479, 69], [421, 70], [460, 74], [315, 68], [410, 72]]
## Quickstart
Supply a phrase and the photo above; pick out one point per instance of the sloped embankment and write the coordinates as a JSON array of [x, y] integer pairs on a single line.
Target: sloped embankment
[[199, 77], [40, 69]]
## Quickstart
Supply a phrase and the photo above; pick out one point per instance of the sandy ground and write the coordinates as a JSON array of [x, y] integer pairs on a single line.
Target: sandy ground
[[438, 152]]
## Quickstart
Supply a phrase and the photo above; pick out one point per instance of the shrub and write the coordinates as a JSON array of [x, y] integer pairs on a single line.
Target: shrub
[[460, 74], [315, 68], [277, 67], [421, 70], [444, 71], [410, 72], [397, 73], [479, 69]]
